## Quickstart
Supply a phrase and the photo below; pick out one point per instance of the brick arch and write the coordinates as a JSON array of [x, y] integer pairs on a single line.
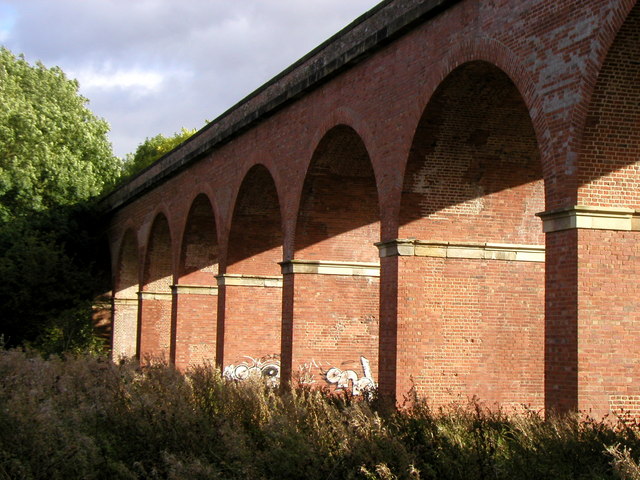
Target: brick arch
[[473, 183], [126, 275], [360, 125], [145, 232], [125, 297], [247, 169], [159, 246], [194, 313], [340, 197], [261, 223], [607, 167], [475, 141], [154, 329], [199, 243], [485, 49], [250, 287], [331, 304], [129, 228], [606, 254], [605, 39], [205, 191]]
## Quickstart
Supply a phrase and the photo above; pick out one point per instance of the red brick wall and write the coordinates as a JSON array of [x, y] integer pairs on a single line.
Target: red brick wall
[[335, 322], [155, 329], [126, 286], [194, 314], [252, 314], [609, 320], [471, 328], [466, 326], [334, 318], [195, 337], [252, 319]]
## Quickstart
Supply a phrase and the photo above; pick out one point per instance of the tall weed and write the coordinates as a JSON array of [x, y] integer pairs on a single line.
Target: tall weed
[[86, 417]]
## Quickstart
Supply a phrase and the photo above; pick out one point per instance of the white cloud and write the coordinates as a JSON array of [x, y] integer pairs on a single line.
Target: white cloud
[[145, 81], [154, 66]]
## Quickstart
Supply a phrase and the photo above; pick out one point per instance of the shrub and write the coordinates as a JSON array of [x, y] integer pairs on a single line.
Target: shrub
[[86, 417]]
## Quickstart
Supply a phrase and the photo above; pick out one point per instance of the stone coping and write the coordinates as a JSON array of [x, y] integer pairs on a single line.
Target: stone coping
[[330, 267], [471, 250], [234, 280], [593, 218], [155, 295], [182, 289], [125, 301]]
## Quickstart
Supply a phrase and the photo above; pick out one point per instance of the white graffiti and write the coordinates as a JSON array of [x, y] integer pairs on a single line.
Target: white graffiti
[[343, 379], [267, 368]]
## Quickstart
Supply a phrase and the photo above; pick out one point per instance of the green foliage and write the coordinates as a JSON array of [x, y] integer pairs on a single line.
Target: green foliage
[[152, 149], [54, 158], [53, 150], [85, 417], [50, 270]]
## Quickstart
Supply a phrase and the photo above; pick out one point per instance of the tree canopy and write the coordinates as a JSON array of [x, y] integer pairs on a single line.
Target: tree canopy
[[152, 149], [53, 150], [54, 157]]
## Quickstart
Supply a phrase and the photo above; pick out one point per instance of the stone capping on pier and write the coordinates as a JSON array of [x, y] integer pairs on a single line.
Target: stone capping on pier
[[236, 280], [330, 267], [182, 289], [123, 301], [411, 247], [155, 295], [593, 218]]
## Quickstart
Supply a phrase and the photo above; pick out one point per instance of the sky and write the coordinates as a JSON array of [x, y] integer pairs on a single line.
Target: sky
[[155, 66]]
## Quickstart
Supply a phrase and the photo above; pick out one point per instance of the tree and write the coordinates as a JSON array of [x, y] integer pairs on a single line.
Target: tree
[[54, 157], [53, 150], [152, 149]]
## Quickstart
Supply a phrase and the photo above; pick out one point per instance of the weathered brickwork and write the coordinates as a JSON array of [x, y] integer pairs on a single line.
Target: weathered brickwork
[[467, 326], [444, 197]]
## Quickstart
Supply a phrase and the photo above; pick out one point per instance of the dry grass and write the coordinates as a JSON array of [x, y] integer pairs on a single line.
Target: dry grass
[[84, 417]]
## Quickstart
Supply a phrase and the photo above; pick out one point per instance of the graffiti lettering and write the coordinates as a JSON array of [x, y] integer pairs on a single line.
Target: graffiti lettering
[[267, 368], [344, 379]]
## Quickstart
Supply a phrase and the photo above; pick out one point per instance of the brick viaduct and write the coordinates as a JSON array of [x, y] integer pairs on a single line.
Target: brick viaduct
[[449, 189]]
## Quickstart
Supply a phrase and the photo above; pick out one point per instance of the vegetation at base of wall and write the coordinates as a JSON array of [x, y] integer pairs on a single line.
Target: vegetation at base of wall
[[85, 417]]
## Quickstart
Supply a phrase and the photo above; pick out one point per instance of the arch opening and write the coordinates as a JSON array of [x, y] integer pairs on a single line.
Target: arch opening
[[125, 300], [196, 292], [156, 296], [607, 266], [609, 167], [255, 239], [335, 282], [471, 275], [252, 283]]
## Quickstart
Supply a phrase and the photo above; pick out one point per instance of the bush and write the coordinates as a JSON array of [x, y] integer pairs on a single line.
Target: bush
[[85, 417]]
